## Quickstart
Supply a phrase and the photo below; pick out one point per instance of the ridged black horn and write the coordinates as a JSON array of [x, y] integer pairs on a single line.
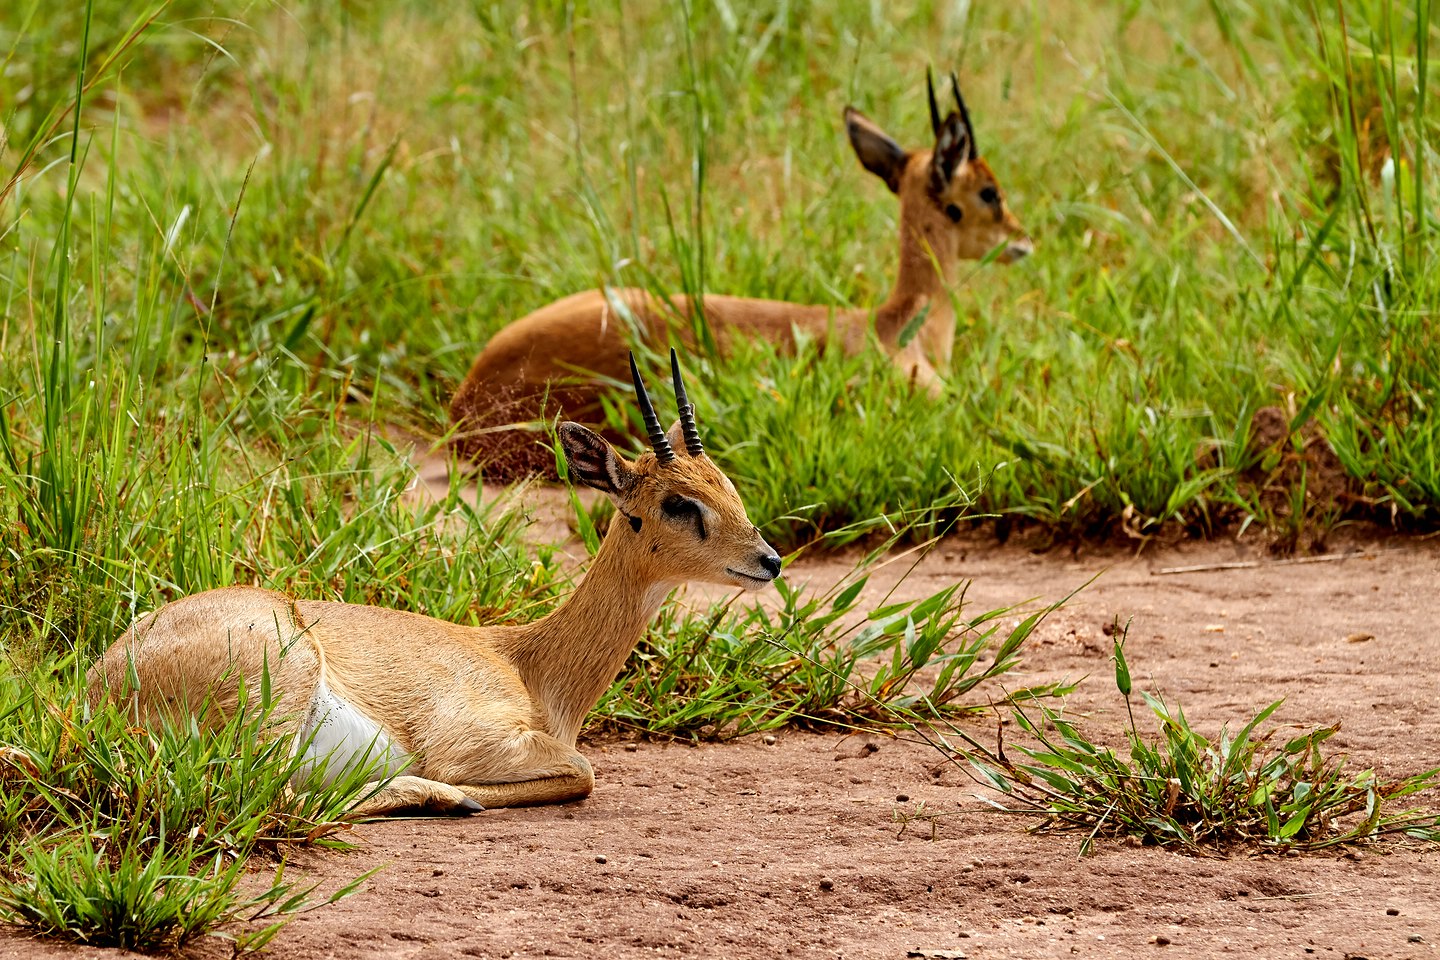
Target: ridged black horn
[[658, 442], [934, 110], [964, 115], [687, 410]]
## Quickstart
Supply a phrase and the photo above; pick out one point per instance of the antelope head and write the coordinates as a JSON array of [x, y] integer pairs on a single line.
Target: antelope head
[[681, 516], [948, 194]]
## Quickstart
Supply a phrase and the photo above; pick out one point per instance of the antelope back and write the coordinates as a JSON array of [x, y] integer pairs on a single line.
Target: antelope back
[[949, 197]]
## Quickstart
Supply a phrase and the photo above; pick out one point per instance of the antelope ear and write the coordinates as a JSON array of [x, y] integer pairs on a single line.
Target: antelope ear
[[877, 152], [592, 461], [952, 146], [676, 436]]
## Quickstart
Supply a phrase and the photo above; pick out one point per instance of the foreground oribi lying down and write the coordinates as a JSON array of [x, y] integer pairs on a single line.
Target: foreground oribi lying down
[[459, 718]]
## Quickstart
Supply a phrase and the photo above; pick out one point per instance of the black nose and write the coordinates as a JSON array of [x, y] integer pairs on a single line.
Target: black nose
[[771, 565]]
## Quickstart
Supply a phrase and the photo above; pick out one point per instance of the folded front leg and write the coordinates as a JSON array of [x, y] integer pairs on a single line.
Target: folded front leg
[[530, 793], [414, 793], [544, 771]]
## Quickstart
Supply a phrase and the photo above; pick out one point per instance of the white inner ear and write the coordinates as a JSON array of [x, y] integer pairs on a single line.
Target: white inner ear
[[612, 470]]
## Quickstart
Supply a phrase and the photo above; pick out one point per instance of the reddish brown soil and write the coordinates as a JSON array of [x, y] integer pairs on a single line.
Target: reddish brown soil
[[749, 850]]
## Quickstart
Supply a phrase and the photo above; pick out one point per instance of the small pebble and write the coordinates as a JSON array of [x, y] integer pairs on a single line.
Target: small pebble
[[826, 883], [769, 740], [1161, 941], [1391, 912], [902, 797], [631, 747], [1416, 938], [600, 858]]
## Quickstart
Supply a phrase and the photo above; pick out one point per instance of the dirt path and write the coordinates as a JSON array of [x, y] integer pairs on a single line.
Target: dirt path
[[749, 850]]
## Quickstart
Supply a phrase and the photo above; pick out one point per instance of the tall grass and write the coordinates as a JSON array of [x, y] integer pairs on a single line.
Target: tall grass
[[1242, 223]]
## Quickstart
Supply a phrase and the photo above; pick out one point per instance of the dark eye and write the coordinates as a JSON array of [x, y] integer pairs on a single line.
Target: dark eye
[[676, 507], [990, 195], [954, 212]]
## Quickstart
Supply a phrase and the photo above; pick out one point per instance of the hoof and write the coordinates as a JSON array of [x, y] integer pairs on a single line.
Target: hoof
[[467, 807]]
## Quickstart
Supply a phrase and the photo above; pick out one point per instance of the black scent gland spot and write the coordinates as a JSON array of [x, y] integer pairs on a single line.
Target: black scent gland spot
[[634, 523]]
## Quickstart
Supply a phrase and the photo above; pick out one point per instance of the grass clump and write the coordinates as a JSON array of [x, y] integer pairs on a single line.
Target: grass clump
[[114, 833], [1254, 788], [821, 659]]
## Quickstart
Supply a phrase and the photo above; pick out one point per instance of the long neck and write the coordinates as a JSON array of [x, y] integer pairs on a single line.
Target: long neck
[[920, 286], [569, 658]]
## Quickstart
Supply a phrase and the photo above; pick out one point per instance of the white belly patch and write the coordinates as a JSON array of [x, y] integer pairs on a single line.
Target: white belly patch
[[337, 737]]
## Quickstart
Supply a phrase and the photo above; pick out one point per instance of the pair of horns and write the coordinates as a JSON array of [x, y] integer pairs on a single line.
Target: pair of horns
[[959, 102], [664, 453]]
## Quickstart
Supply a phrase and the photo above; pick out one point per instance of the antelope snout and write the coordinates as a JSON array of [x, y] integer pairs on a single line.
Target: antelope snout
[[1018, 250], [763, 568]]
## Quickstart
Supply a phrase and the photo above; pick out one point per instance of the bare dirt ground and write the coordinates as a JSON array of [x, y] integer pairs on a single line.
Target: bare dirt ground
[[755, 850]]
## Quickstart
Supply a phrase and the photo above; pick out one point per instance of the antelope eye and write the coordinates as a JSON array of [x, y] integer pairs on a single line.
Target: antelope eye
[[678, 508], [954, 212], [990, 195]]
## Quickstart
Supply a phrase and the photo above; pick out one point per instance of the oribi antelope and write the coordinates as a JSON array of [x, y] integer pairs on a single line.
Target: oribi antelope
[[562, 356], [459, 718]]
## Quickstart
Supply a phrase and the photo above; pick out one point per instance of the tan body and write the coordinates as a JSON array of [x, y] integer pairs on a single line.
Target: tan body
[[457, 716], [564, 355]]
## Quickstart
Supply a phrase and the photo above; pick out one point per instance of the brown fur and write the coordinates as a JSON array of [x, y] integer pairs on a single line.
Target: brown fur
[[562, 356], [485, 715]]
